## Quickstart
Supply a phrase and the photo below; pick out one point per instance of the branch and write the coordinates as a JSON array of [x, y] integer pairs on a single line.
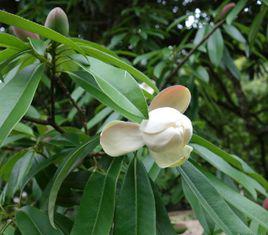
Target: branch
[[73, 102], [185, 59]]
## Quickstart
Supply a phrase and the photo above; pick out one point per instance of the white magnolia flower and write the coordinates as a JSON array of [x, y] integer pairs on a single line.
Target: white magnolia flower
[[166, 133]]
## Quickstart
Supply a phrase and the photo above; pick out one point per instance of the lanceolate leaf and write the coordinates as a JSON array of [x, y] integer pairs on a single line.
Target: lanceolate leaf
[[7, 40], [64, 169], [163, 224], [10, 19], [211, 200], [235, 11], [215, 47], [87, 81], [109, 77], [32, 221], [135, 211], [16, 97], [249, 208], [95, 215]]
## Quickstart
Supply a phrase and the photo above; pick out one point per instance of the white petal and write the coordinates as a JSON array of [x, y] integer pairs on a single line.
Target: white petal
[[177, 97], [159, 120], [173, 157], [118, 138]]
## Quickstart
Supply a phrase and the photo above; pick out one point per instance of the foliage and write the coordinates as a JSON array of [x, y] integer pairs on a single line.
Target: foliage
[[57, 92]]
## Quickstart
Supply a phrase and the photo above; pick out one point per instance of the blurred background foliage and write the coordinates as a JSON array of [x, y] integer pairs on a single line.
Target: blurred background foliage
[[227, 75]]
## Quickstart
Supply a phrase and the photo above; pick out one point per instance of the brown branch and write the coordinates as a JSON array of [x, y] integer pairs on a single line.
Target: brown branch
[[185, 59], [73, 102], [47, 122]]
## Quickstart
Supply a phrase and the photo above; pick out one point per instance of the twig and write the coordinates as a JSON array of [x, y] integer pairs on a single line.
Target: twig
[[73, 102], [44, 122], [185, 59]]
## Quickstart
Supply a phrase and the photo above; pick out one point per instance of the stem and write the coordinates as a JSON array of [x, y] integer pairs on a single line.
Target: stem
[[185, 59]]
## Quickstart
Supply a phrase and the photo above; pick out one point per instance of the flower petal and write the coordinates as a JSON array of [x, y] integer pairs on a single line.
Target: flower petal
[[118, 138], [177, 97], [171, 158]]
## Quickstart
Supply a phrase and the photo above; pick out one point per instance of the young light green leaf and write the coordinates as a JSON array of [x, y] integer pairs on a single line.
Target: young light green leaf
[[135, 211], [64, 169], [215, 47], [32, 221], [211, 200], [96, 211], [16, 97]]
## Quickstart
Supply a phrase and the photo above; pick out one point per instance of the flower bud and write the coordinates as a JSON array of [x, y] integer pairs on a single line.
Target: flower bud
[[265, 204], [23, 34], [58, 21], [226, 9]]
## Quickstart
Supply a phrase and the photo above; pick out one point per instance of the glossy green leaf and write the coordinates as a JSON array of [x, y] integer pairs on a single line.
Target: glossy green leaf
[[64, 169], [10, 41], [120, 86], [163, 224], [87, 82], [234, 33], [206, 222], [6, 53], [248, 207], [96, 211], [232, 159], [235, 11], [16, 97], [99, 117], [135, 211], [256, 24], [108, 58], [11, 19], [247, 182], [32, 221], [211, 200], [215, 47]]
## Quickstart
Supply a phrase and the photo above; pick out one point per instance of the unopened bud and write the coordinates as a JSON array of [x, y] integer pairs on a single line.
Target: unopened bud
[[226, 9], [58, 21], [265, 204], [23, 34]]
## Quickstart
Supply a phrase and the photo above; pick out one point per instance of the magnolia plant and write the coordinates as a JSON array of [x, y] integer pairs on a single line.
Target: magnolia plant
[[63, 106]]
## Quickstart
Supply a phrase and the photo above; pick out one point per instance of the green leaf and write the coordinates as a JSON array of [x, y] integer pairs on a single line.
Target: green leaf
[[96, 211], [211, 201], [235, 11], [249, 208], [206, 222], [16, 97], [120, 86], [108, 58], [11, 19], [6, 53], [64, 169], [234, 33], [256, 24], [10, 41], [87, 81], [232, 159], [32, 221], [99, 117], [163, 223], [135, 211], [38, 46], [247, 182], [215, 47], [229, 63]]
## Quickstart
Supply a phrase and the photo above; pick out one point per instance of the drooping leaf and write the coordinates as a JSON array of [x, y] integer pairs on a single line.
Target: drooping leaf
[[211, 200], [16, 97], [215, 47], [32, 221], [95, 214], [64, 169], [135, 211]]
